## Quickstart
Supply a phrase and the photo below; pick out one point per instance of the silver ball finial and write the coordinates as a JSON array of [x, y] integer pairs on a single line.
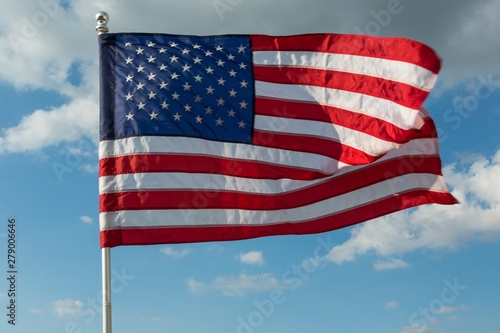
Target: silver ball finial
[[102, 19]]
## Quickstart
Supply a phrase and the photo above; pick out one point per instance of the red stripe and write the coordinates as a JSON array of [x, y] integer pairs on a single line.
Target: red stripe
[[202, 164], [377, 128], [397, 92], [199, 198], [172, 235], [315, 145], [398, 49]]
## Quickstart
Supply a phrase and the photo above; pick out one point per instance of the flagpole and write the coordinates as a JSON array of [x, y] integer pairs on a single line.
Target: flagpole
[[106, 290], [102, 28]]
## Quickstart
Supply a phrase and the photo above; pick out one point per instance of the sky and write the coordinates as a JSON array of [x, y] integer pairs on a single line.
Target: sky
[[428, 269]]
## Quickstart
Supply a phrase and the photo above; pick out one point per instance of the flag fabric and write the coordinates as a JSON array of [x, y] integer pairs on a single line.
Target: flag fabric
[[211, 138]]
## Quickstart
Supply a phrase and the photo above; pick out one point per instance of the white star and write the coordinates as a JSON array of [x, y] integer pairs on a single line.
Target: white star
[[128, 60], [197, 60], [152, 95], [130, 116], [199, 119], [177, 116], [232, 73], [140, 68], [163, 67], [187, 108], [198, 78], [230, 57], [151, 59], [210, 70], [232, 93], [241, 48], [220, 101], [241, 124], [129, 78], [186, 67], [151, 76], [175, 96], [129, 97], [140, 86], [162, 50], [141, 106], [210, 90], [219, 48], [163, 85], [208, 110], [151, 44], [221, 81], [128, 44], [219, 122], [243, 105], [220, 63], [197, 98], [186, 86], [164, 105], [243, 66], [153, 115], [173, 58], [243, 84], [185, 51], [231, 113], [174, 76], [208, 54], [139, 50], [173, 44], [196, 46]]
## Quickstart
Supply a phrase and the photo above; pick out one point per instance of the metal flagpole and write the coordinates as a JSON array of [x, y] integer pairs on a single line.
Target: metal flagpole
[[102, 28], [106, 291]]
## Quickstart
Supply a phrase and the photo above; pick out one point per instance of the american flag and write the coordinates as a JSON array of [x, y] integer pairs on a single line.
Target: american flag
[[234, 137]]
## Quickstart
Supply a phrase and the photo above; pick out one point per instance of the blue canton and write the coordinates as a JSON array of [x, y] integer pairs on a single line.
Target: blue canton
[[184, 85]]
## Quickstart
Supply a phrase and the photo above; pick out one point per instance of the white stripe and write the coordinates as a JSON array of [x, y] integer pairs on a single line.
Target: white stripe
[[218, 182], [367, 143], [194, 182], [394, 70], [200, 147], [205, 217], [398, 115]]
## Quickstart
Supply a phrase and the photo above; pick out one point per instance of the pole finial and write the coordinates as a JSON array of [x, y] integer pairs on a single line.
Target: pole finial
[[102, 19]]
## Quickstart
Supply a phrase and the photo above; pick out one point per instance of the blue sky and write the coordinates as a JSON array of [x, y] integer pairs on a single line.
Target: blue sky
[[429, 269]]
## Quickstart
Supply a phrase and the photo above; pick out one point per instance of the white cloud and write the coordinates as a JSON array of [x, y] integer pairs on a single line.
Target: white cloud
[[40, 129], [35, 311], [390, 264], [195, 286], [86, 219], [475, 184], [174, 253], [239, 286], [391, 304], [451, 309], [67, 307], [251, 258]]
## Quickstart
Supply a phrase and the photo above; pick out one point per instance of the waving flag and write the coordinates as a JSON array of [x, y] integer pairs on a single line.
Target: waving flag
[[235, 137]]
